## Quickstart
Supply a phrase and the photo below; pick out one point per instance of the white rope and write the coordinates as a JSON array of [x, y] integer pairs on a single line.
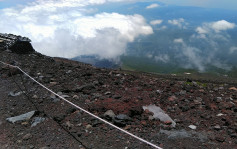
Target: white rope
[[134, 136]]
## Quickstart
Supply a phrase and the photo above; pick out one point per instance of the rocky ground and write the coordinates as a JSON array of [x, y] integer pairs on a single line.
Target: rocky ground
[[169, 112]]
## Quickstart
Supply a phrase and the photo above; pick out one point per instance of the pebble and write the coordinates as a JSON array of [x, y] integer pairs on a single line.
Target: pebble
[[217, 127], [192, 127], [27, 136], [75, 97], [88, 126], [109, 114], [220, 114], [35, 97]]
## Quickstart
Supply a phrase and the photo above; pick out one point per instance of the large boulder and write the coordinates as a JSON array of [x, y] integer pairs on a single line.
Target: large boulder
[[22, 47]]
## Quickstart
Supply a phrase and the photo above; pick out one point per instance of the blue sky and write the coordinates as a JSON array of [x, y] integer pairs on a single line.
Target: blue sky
[[224, 4]]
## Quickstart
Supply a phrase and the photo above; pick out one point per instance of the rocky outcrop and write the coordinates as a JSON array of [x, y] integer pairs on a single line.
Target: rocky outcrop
[[16, 44]]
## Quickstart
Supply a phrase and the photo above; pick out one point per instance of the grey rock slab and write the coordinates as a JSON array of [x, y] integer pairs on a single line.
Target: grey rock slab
[[21, 117], [159, 114], [183, 134], [14, 94], [37, 120], [123, 117]]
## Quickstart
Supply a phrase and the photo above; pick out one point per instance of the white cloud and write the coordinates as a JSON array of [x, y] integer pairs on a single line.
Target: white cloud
[[156, 22], [201, 30], [152, 6], [191, 55], [222, 25], [233, 49], [163, 58], [63, 28], [216, 27], [178, 40], [178, 22]]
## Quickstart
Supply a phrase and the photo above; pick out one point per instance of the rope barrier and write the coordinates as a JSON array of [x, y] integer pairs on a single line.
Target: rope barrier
[[89, 113]]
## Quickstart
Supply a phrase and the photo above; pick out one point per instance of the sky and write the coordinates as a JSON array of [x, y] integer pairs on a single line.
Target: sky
[[223, 4], [70, 28]]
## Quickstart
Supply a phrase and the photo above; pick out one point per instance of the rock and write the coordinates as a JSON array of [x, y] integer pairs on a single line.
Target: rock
[[151, 118], [109, 115], [107, 93], [75, 97], [85, 87], [233, 88], [192, 127], [220, 114], [183, 134], [217, 127], [121, 120], [123, 117], [68, 124], [159, 114], [172, 98], [55, 99], [218, 99], [22, 117], [220, 139], [14, 94], [88, 126], [27, 136], [37, 120], [35, 97]]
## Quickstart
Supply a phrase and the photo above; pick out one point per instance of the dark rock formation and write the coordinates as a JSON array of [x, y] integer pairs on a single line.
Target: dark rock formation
[[17, 44]]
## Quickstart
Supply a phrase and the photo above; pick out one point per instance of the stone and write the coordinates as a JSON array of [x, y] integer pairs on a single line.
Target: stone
[[121, 120], [233, 88], [75, 97], [27, 136], [183, 134], [35, 97], [159, 114], [37, 120], [88, 126], [68, 124], [123, 117], [22, 117], [107, 93], [109, 115], [14, 94], [220, 139], [217, 127], [192, 127], [220, 114]]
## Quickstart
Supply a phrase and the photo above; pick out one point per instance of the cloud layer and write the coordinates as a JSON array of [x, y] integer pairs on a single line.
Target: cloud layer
[[65, 28], [202, 48], [152, 6]]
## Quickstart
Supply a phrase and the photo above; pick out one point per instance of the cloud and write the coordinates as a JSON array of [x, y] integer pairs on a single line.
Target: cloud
[[65, 28], [216, 27], [156, 22], [201, 30], [163, 58], [178, 40], [232, 50], [190, 55], [222, 25], [178, 22], [152, 6]]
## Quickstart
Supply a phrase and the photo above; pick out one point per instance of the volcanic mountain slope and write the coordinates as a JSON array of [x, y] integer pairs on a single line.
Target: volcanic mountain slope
[[202, 115]]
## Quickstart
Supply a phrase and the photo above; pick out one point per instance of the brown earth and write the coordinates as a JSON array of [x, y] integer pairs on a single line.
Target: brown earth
[[187, 102]]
